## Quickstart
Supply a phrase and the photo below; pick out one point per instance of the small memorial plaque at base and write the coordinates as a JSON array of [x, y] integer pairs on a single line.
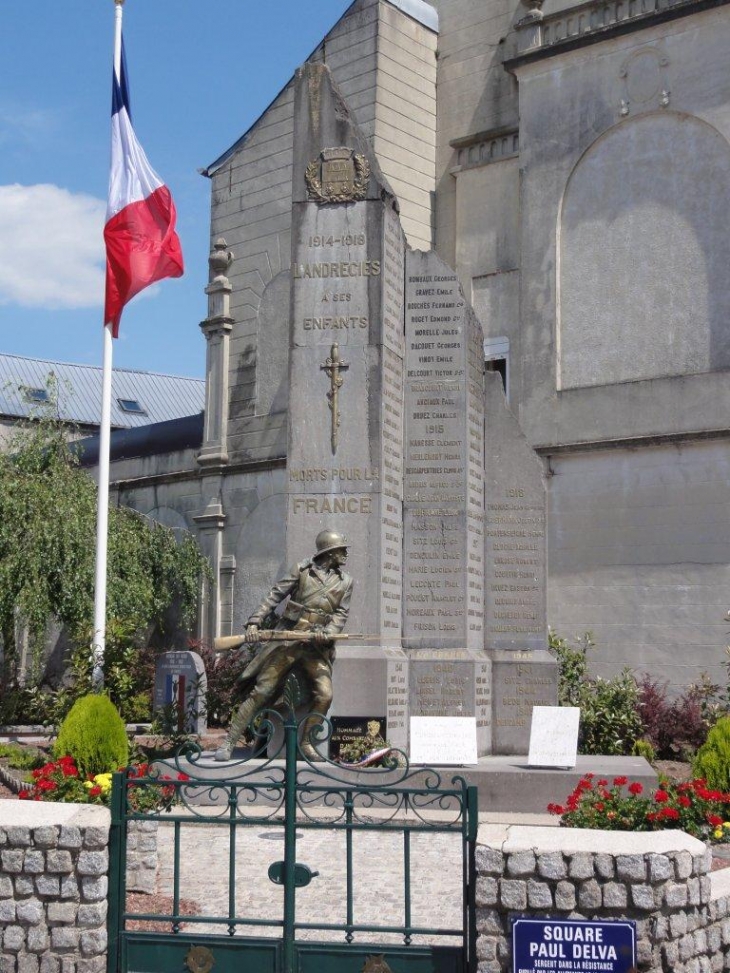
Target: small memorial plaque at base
[[345, 729], [556, 945], [443, 740], [554, 736]]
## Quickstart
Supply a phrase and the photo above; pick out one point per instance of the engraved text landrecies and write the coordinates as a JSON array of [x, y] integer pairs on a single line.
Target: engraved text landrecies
[[339, 175]]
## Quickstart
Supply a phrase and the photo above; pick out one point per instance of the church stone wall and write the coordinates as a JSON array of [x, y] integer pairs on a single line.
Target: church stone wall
[[633, 92], [639, 544], [476, 96]]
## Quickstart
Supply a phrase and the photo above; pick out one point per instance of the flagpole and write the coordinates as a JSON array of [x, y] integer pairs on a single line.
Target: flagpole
[[102, 518]]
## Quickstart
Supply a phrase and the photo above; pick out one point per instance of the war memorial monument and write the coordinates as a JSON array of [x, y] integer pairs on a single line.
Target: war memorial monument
[[399, 442]]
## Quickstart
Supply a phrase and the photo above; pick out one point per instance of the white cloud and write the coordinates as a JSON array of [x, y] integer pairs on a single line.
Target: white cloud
[[51, 247]]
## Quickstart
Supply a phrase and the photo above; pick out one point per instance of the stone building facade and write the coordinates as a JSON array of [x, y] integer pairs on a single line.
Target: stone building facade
[[571, 162]]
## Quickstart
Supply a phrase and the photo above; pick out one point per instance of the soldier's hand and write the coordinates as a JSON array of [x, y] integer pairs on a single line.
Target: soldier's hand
[[319, 637], [252, 634]]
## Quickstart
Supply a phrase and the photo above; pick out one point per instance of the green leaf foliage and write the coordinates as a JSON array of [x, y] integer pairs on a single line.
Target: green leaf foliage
[[609, 708], [47, 551], [712, 762], [93, 734]]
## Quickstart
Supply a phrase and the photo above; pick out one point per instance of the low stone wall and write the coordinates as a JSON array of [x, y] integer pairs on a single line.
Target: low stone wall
[[141, 856], [53, 887], [661, 880]]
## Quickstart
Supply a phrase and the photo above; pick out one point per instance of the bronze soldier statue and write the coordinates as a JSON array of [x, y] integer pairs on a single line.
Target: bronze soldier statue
[[318, 593]]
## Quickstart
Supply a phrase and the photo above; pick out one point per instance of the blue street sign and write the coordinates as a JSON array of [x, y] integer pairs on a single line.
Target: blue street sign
[[562, 946]]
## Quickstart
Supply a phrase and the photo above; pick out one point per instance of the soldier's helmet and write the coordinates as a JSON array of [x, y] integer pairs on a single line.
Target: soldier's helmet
[[329, 540]]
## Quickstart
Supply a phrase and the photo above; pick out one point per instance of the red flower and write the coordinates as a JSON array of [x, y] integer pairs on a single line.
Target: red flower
[[46, 785], [620, 781], [94, 791], [684, 800], [661, 797], [669, 814], [714, 820], [555, 809], [24, 795], [636, 788], [602, 783], [652, 815], [599, 805]]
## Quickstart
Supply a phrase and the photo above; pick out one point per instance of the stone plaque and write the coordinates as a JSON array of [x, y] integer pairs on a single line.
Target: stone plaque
[[345, 729], [554, 736], [515, 548], [450, 740], [444, 462], [181, 684], [524, 674], [521, 680]]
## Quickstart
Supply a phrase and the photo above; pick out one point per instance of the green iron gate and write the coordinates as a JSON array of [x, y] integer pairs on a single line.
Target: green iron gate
[[291, 796]]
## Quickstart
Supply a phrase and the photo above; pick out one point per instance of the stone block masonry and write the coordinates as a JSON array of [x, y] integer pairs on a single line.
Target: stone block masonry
[[660, 880], [54, 865]]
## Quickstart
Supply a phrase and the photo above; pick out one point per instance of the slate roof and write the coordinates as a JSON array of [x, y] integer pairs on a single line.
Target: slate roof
[[161, 397]]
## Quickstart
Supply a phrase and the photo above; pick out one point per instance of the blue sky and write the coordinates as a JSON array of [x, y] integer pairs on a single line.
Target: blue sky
[[200, 73]]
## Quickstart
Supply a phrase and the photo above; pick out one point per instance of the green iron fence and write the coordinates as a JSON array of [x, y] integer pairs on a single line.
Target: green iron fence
[[290, 796]]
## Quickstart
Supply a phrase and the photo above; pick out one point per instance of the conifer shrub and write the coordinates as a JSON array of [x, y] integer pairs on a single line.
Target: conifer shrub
[[712, 762], [93, 734]]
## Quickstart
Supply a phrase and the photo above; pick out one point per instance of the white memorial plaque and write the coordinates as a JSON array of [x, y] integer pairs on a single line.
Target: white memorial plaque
[[554, 736], [443, 740]]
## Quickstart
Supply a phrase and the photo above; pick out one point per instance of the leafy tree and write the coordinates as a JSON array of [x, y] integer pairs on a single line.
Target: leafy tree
[[47, 551]]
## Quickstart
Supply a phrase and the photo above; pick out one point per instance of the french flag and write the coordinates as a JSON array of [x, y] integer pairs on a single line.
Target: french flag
[[141, 243]]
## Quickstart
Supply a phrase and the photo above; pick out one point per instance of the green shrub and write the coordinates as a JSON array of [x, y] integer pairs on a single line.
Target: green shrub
[[94, 735], [712, 762], [21, 758], [609, 708], [643, 748]]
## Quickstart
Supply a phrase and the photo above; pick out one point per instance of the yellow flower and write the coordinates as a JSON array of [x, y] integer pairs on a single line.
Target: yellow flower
[[718, 833], [726, 824]]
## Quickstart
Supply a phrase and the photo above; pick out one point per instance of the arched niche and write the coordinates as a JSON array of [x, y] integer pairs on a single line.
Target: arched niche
[[643, 254]]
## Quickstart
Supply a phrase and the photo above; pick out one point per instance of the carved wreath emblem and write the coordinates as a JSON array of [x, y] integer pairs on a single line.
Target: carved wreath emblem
[[199, 959], [339, 175]]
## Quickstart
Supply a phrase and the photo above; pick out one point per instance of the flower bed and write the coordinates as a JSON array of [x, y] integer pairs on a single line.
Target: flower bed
[[622, 805], [61, 781]]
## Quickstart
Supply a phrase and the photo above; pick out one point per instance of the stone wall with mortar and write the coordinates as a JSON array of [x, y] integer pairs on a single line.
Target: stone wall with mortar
[[659, 880], [53, 888]]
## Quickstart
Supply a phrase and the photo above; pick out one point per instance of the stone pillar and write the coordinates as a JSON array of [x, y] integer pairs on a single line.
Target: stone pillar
[[217, 329], [345, 450], [211, 523]]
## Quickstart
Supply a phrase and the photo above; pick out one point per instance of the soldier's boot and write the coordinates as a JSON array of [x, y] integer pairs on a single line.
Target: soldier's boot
[[306, 747], [239, 721]]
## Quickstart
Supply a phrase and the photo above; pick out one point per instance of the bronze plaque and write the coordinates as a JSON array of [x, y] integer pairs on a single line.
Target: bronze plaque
[[339, 175]]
